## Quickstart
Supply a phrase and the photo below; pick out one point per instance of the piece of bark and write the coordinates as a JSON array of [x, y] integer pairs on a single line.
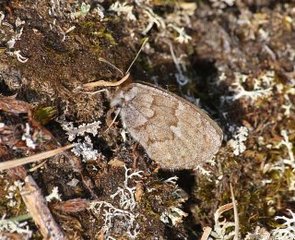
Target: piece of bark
[[37, 207]]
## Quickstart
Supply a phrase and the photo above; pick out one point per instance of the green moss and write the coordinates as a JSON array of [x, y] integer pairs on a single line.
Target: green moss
[[96, 32], [44, 114], [103, 33]]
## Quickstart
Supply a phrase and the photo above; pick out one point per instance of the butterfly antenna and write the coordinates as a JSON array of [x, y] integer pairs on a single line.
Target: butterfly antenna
[[113, 121], [110, 64], [139, 51], [102, 83]]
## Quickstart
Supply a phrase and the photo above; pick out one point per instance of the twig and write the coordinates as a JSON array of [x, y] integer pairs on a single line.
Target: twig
[[112, 65], [206, 233], [236, 215], [37, 207], [37, 157]]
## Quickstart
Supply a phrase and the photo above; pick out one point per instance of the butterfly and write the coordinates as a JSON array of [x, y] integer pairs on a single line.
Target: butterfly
[[174, 132]]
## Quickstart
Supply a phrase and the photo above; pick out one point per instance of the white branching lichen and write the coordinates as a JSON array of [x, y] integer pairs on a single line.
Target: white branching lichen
[[12, 226], [238, 141], [181, 78], [18, 31], [222, 229], [55, 8], [288, 106], [123, 214], [289, 145], [221, 77], [111, 215], [53, 195], [174, 215], [172, 180], [12, 191], [19, 56], [85, 150], [126, 194], [123, 8], [99, 10], [153, 19], [287, 230], [263, 87], [84, 146], [2, 16], [222, 3], [27, 137], [83, 11], [74, 132], [284, 163], [287, 109], [183, 37], [200, 169], [258, 234]]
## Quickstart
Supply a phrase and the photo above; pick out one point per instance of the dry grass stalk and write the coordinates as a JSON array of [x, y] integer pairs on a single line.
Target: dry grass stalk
[[206, 233], [236, 216], [34, 158]]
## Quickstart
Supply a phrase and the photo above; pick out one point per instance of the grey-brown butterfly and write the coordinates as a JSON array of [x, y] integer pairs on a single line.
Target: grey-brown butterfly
[[174, 132]]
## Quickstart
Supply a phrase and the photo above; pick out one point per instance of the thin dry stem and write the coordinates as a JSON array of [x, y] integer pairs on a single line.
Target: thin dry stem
[[206, 233], [112, 65], [236, 216], [34, 158]]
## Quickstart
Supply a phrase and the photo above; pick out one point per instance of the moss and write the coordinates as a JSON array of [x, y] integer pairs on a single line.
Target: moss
[[44, 114], [103, 33], [96, 32]]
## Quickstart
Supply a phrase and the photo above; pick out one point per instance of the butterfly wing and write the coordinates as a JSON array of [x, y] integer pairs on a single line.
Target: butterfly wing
[[174, 132]]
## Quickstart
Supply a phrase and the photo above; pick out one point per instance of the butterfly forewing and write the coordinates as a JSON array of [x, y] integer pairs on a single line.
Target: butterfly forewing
[[174, 132]]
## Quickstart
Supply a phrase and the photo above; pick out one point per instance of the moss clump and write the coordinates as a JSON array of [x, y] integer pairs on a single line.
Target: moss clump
[[44, 114]]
